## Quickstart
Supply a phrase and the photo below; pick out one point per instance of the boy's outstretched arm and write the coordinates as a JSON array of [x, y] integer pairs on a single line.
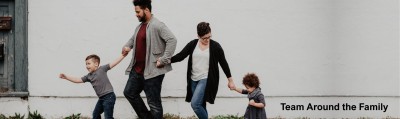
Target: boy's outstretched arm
[[71, 78], [118, 60]]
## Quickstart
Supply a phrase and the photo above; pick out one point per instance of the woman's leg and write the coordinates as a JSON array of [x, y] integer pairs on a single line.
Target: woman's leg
[[198, 89]]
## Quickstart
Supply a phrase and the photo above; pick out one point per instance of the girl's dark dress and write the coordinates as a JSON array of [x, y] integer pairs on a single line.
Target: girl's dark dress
[[254, 112]]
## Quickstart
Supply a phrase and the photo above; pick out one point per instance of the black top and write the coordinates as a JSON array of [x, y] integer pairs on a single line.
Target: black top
[[216, 56]]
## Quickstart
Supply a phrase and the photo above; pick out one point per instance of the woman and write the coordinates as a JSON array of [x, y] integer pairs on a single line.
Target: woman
[[202, 72]]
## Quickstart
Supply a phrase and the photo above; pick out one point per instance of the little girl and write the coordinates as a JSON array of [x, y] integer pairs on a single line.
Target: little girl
[[256, 107]]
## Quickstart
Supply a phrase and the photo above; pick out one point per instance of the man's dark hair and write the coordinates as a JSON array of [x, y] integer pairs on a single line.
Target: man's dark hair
[[94, 57], [143, 4], [203, 28], [251, 80]]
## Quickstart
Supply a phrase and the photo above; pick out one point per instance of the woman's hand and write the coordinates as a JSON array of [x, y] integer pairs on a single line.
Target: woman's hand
[[231, 84], [158, 64]]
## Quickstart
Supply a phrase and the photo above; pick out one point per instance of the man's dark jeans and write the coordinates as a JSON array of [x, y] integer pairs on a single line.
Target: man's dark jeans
[[152, 88], [105, 104]]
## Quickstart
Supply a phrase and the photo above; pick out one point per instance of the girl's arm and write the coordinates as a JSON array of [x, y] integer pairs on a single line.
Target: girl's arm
[[239, 90], [258, 105], [71, 78], [242, 91]]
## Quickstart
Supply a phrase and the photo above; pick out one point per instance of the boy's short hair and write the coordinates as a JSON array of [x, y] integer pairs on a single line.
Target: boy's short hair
[[143, 4], [203, 28], [94, 57], [251, 79]]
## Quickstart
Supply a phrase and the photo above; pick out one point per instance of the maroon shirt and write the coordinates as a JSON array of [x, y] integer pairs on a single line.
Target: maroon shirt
[[140, 54]]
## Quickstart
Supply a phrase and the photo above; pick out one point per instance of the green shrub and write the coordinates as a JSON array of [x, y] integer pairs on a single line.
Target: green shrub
[[73, 116], [35, 115], [389, 117], [364, 118], [171, 116], [2, 116], [16, 116], [303, 118], [174, 116], [228, 117]]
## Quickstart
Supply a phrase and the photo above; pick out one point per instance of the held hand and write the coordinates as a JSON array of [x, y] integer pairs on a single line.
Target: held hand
[[159, 65], [125, 51], [62, 76], [252, 102], [231, 84]]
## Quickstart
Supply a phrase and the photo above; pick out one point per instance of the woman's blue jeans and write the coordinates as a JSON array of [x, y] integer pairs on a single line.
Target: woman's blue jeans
[[197, 102]]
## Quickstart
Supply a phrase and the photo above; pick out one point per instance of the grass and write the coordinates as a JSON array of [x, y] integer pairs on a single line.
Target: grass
[[36, 115], [228, 117], [174, 116]]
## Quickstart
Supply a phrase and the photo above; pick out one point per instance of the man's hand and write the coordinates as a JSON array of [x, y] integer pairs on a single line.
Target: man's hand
[[125, 51]]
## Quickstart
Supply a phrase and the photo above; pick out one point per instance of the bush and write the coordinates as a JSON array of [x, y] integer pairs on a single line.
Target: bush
[[16, 116], [2, 116], [173, 116], [34, 115], [228, 117], [73, 116]]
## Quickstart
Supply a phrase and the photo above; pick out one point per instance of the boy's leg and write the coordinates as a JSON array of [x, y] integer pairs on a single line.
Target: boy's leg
[[108, 104], [152, 88], [132, 91], [197, 102], [98, 109]]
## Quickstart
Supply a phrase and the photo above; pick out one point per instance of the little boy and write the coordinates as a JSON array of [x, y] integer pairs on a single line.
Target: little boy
[[98, 78], [255, 109]]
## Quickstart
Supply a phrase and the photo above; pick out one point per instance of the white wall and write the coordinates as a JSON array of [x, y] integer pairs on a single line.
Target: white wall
[[297, 47], [367, 54], [271, 38]]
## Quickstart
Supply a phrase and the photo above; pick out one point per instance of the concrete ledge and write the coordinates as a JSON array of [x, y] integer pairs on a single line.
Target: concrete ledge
[[61, 106], [14, 94]]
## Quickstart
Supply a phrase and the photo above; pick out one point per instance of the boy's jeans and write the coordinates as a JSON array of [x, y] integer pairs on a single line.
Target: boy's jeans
[[105, 104], [197, 102], [152, 88]]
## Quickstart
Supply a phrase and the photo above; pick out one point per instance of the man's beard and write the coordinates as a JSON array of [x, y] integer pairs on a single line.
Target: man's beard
[[143, 18]]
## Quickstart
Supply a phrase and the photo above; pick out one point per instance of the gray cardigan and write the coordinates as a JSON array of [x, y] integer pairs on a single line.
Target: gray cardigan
[[160, 43], [254, 112]]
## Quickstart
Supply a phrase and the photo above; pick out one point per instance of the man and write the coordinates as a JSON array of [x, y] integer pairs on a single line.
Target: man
[[153, 44]]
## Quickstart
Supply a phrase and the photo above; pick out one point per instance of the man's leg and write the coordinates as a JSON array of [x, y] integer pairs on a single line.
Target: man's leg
[[152, 89], [132, 91]]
